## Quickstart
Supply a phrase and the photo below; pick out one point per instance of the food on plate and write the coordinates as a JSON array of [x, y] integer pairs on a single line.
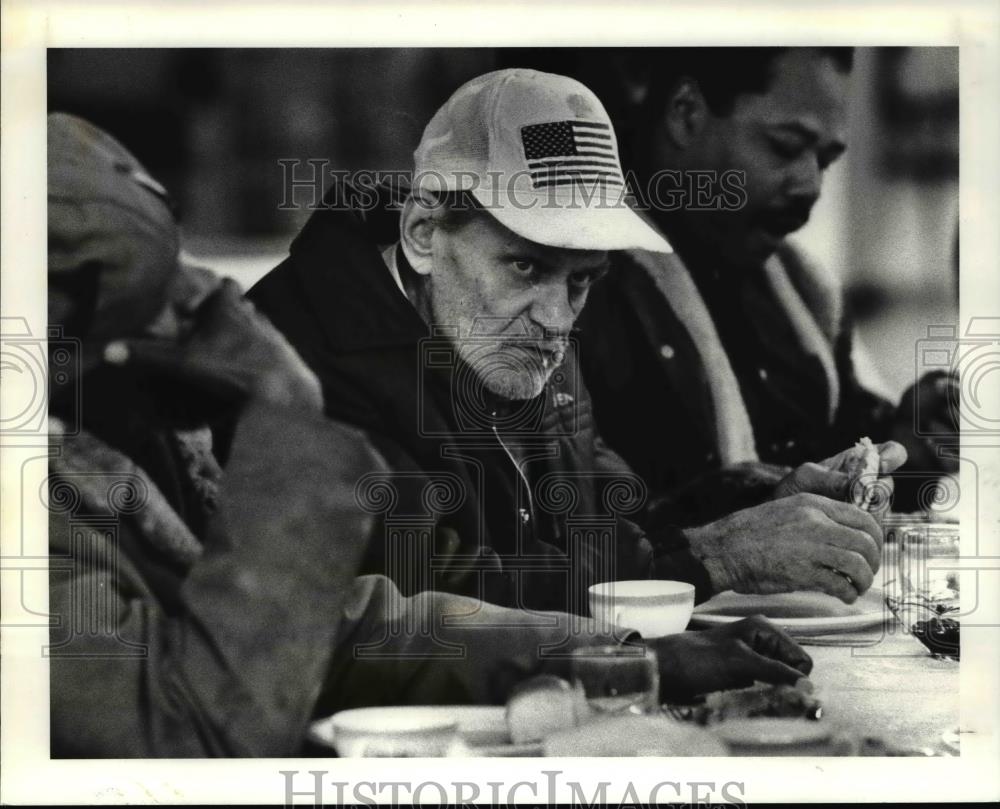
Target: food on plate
[[796, 701], [862, 467], [542, 705]]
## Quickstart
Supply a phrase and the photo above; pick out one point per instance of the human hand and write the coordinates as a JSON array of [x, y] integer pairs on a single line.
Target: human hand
[[231, 353], [800, 542], [834, 477], [731, 656], [934, 401]]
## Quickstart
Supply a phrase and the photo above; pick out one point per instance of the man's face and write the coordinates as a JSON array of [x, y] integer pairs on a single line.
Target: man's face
[[512, 301], [783, 141]]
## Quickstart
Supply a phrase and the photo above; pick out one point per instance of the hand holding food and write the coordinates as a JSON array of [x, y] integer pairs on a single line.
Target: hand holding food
[[853, 475], [801, 542], [864, 466]]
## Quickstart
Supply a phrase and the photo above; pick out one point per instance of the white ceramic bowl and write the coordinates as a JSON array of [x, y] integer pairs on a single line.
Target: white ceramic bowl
[[396, 732], [653, 607]]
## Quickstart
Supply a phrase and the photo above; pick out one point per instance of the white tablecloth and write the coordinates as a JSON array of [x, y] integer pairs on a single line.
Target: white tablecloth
[[893, 689]]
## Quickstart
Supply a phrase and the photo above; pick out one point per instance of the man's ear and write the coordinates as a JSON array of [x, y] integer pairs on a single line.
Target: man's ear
[[416, 233], [685, 114]]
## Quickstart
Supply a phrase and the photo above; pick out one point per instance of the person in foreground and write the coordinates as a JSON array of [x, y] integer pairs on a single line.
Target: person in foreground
[[455, 344], [203, 587]]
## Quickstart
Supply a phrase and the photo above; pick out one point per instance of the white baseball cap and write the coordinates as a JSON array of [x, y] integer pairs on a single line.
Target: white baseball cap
[[539, 153]]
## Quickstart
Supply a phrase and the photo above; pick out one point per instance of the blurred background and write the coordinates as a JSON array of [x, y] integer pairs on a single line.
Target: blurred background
[[213, 124]]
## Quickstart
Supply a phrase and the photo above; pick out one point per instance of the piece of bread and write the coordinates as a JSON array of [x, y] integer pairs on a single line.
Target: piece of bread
[[542, 705], [863, 467]]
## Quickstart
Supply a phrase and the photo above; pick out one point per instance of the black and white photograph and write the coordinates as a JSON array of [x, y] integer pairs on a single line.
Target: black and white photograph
[[468, 405]]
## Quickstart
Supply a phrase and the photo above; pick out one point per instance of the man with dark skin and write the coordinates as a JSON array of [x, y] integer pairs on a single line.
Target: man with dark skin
[[731, 358]]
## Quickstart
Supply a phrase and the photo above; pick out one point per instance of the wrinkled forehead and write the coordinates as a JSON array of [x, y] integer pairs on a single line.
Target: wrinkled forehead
[[806, 87]]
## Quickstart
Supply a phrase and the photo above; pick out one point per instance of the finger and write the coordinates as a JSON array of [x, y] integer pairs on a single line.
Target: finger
[[818, 479], [833, 583], [768, 670], [892, 455], [771, 640], [851, 564], [850, 516], [854, 541], [836, 462]]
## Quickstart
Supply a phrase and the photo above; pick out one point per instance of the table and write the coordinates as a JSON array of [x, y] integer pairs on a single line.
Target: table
[[888, 686]]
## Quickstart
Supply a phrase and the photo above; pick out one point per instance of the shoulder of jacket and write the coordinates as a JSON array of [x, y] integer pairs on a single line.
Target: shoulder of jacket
[[819, 287]]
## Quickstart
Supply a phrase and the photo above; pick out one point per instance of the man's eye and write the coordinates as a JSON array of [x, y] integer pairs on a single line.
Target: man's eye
[[785, 148], [523, 266]]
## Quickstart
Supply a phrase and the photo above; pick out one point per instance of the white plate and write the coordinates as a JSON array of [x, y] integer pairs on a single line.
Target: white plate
[[802, 613], [483, 729]]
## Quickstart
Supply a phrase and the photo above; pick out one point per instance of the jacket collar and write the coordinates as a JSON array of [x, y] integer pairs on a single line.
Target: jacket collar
[[336, 259]]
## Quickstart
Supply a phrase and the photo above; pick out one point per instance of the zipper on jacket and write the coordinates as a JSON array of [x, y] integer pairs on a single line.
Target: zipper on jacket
[[521, 475]]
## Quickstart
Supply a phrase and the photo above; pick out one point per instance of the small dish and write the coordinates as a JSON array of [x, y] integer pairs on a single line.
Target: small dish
[[481, 729], [776, 736]]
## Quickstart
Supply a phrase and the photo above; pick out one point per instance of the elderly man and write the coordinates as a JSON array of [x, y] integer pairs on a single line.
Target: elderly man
[[454, 342], [203, 587], [733, 354]]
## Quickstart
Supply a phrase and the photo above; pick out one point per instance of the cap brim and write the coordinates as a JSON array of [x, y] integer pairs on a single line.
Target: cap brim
[[575, 227]]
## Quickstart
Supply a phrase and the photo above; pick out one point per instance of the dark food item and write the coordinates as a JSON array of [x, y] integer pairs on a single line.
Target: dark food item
[[940, 635], [795, 701]]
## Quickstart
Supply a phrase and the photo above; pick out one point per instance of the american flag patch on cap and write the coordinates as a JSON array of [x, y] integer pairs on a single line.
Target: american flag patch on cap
[[566, 152]]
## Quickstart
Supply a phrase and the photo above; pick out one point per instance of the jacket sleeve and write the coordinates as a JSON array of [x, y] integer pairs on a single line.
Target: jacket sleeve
[[231, 662], [658, 551], [440, 648], [860, 411]]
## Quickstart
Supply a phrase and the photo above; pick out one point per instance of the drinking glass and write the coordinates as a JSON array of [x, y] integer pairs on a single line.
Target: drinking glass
[[925, 595], [617, 679]]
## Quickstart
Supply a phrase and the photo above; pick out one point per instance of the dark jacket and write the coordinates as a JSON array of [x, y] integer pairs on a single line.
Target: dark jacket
[[196, 616], [539, 505], [650, 387], [193, 618]]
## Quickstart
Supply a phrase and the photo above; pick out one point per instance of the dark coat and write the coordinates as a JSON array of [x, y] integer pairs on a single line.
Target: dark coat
[[193, 619], [539, 505], [650, 388]]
